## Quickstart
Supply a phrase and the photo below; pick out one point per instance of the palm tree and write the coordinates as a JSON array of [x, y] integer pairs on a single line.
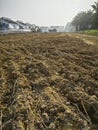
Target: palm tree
[[95, 7], [83, 20], [95, 10]]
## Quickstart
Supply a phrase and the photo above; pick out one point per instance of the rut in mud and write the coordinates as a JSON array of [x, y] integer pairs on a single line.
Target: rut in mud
[[48, 82]]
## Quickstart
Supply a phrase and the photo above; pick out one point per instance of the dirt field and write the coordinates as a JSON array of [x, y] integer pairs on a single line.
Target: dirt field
[[48, 81]]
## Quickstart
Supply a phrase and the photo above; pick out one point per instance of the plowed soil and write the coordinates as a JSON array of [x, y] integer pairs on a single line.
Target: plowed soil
[[48, 81]]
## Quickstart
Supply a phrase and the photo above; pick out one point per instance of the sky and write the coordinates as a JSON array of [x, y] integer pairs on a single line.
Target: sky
[[43, 12]]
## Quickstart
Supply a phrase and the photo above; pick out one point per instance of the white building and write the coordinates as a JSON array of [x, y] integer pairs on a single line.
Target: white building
[[50, 28], [58, 28], [44, 28], [8, 24], [22, 25]]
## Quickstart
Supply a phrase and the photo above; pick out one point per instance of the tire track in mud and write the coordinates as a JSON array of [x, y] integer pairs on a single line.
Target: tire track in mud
[[89, 39]]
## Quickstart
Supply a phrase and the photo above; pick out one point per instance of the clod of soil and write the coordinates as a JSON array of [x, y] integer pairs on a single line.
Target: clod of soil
[[48, 81]]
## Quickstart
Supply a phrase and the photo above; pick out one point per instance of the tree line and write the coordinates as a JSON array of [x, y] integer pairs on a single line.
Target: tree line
[[87, 19]]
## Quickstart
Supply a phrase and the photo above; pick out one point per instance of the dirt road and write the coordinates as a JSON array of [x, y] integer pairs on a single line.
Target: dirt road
[[48, 81]]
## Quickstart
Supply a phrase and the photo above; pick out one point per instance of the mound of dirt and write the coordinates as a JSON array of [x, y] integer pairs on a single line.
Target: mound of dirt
[[48, 81]]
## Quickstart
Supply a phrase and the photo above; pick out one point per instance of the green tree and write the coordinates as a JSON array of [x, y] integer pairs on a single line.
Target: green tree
[[83, 20], [95, 10]]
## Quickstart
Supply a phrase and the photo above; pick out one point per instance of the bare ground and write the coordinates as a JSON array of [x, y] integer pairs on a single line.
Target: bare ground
[[48, 81]]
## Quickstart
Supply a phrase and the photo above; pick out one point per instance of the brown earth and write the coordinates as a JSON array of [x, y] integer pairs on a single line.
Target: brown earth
[[48, 81]]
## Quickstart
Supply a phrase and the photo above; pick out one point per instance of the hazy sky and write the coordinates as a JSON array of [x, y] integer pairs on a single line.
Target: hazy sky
[[43, 12]]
